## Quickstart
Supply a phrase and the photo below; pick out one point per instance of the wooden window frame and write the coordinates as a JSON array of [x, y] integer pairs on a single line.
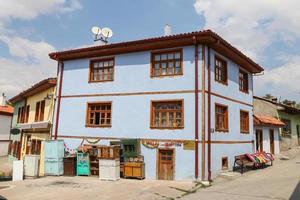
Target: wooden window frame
[[152, 62], [87, 119], [91, 67], [218, 68], [247, 130], [245, 87], [23, 114], [152, 124], [226, 123], [40, 111]]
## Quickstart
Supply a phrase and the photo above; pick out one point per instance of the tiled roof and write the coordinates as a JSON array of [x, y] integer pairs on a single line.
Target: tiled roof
[[6, 110], [205, 36], [36, 88], [267, 120]]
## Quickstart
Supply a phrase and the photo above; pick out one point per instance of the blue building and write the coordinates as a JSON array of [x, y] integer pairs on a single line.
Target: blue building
[[188, 98]]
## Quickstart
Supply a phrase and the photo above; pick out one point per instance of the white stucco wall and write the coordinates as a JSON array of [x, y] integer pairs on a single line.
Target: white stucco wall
[[266, 138], [5, 123]]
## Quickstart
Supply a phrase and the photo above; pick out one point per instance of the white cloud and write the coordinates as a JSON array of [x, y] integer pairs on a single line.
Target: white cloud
[[30, 62], [252, 25], [282, 81]]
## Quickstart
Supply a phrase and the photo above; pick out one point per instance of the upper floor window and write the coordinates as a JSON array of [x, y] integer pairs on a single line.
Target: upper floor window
[[102, 70], [243, 81], [23, 114], [167, 114], [99, 114], [166, 63], [244, 121], [221, 119], [220, 70], [39, 111]]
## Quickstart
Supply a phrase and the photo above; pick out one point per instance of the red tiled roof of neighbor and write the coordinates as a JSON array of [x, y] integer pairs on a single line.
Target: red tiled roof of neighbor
[[267, 120], [6, 110], [36, 88], [207, 37]]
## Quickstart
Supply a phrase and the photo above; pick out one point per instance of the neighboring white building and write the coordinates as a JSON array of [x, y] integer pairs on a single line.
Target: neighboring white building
[[6, 113], [266, 130]]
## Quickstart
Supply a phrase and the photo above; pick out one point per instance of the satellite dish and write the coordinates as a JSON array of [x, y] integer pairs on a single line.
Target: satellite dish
[[96, 30], [107, 32]]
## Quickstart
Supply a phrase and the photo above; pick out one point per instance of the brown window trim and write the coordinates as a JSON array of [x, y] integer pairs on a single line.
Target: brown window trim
[[180, 50], [40, 111], [245, 131], [87, 115], [101, 60], [152, 126], [226, 130], [247, 89], [221, 60]]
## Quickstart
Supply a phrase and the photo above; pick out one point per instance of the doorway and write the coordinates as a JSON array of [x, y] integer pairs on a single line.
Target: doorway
[[165, 164], [259, 140], [272, 146]]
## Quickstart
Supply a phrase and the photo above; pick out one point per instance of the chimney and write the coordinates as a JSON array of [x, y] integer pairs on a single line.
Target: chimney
[[168, 30], [3, 100]]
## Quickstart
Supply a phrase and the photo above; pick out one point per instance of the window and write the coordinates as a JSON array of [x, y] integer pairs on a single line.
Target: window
[[221, 118], [166, 63], [99, 114], [244, 121], [102, 70], [287, 127], [243, 81], [224, 163], [39, 111], [220, 70], [167, 114], [23, 114]]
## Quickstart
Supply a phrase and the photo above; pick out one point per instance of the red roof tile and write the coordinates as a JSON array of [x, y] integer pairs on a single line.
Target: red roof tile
[[267, 120], [6, 110]]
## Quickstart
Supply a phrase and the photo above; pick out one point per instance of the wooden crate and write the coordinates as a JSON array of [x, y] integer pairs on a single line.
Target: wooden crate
[[134, 170], [108, 152]]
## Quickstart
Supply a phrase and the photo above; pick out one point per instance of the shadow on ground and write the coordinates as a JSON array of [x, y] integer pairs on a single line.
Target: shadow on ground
[[296, 193]]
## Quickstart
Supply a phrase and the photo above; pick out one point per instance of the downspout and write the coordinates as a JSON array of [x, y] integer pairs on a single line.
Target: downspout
[[209, 114], [196, 109], [54, 100], [59, 99], [203, 113]]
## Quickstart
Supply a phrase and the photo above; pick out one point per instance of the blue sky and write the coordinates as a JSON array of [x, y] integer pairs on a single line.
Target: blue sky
[[265, 30]]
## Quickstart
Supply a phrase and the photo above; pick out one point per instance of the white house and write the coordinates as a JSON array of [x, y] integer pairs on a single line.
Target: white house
[[6, 113], [187, 98]]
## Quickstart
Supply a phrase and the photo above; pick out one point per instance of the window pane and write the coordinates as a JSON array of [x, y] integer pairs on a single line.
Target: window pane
[[170, 56], [157, 57], [177, 55], [164, 57]]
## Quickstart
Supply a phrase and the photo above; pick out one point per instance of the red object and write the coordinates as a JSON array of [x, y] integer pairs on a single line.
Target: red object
[[196, 110], [209, 116], [58, 100], [267, 120]]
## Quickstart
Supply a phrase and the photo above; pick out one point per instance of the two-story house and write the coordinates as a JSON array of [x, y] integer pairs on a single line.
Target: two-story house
[[32, 120], [187, 97]]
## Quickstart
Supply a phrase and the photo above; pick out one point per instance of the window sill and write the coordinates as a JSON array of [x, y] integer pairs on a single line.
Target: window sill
[[100, 81], [222, 130], [165, 76], [245, 132], [168, 128], [96, 126], [246, 92], [221, 82]]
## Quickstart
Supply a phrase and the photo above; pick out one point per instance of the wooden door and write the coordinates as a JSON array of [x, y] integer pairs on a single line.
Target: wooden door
[[259, 140], [165, 164], [272, 147]]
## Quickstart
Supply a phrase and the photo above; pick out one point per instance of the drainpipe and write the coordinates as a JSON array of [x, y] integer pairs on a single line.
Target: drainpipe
[[196, 109], [203, 114], [54, 100], [59, 98], [209, 114]]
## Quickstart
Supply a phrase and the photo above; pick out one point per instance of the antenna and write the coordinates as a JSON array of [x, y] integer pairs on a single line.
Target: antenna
[[101, 35]]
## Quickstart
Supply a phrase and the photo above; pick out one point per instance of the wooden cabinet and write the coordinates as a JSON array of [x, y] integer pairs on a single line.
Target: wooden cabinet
[[70, 166], [83, 164], [108, 152], [134, 170]]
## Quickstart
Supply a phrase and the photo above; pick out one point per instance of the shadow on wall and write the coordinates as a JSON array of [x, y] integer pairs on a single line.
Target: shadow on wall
[[296, 193]]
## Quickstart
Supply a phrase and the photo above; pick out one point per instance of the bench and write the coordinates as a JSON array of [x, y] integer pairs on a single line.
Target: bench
[[253, 160]]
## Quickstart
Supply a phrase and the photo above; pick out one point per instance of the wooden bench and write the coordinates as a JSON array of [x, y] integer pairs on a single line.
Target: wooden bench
[[243, 161]]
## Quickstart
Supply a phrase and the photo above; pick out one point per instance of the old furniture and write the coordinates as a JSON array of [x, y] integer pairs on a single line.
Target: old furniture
[[134, 170], [108, 152], [70, 166]]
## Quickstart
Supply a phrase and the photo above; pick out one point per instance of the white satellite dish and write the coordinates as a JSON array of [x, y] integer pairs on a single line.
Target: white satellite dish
[[107, 32], [96, 30]]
